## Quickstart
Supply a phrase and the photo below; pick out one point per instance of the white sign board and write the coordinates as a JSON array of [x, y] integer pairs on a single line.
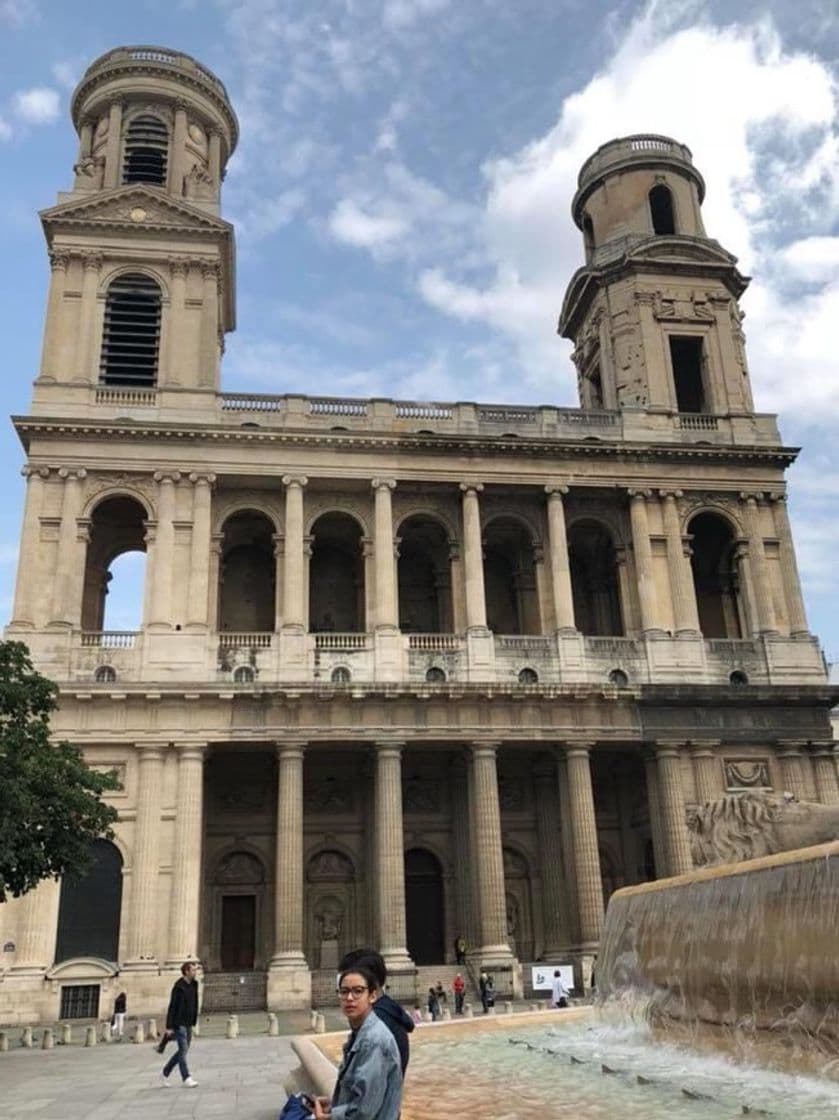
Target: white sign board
[[543, 976]]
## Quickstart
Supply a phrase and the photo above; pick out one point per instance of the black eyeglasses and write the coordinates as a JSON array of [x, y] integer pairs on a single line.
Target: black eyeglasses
[[345, 993]]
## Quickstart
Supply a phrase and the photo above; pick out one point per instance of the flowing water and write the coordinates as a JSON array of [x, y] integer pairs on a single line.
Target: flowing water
[[591, 1070]]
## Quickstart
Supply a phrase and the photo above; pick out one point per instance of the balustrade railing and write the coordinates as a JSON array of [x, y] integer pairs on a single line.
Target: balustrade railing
[[133, 398], [343, 642], [524, 643], [410, 410], [613, 647], [110, 639], [697, 422], [434, 643], [250, 402], [332, 406], [235, 640]]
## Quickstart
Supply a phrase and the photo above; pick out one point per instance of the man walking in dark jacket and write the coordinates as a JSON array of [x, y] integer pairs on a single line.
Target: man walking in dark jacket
[[180, 1019], [392, 1014]]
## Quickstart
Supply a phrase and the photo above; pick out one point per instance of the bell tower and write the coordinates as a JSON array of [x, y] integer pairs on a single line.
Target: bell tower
[[653, 313], [142, 286]]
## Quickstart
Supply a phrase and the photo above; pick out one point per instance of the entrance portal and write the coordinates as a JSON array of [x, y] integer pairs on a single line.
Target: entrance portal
[[238, 932], [424, 907]]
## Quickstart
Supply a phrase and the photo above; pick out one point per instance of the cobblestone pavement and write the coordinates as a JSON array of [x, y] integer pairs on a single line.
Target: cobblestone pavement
[[238, 1079]]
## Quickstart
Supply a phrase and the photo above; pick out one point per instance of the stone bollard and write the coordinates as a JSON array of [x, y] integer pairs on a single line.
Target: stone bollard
[[426, 1015], [151, 1030], [468, 1011], [139, 1033], [196, 1030], [66, 1034], [4, 1042], [232, 1026], [273, 1025], [90, 1036], [491, 1010], [320, 1025], [26, 1038], [47, 1041], [446, 1013], [535, 1006], [106, 1032], [508, 1007], [313, 1020]]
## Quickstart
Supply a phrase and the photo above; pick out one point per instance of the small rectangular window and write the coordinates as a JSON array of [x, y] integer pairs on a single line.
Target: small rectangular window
[[686, 360], [80, 1001]]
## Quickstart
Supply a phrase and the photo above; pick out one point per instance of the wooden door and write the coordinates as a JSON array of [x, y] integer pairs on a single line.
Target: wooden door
[[238, 932]]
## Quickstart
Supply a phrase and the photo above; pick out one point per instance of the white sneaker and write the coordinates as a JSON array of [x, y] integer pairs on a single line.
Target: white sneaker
[[190, 1083], [165, 1083]]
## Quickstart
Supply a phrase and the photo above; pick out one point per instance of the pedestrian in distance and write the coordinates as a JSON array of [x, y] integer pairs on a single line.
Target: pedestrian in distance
[[459, 989], [393, 1015], [181, 1017], [369, 1083], [459, 950], [118, 1018], [559, 992], [433, 1005]]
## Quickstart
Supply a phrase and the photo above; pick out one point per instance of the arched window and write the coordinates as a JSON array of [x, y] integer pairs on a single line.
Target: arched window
[[131, 338], [89, 909], [115, 566], [336, 576], [247, 574], [512, 602], [435, 675], [146, 151], [341, 675], [425, 604], [244, 675], [715, 577], [528, 676], [105, 674], [588, 235], [618, 678], [661, 209], [594, 580]]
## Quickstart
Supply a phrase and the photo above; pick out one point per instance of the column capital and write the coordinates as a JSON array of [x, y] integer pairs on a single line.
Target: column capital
[[59, 259], [669, 747], [384, 747], [751, 497], [150, 752], [290, 748], [638, 495], [178, 266], [292, 481], [790, 748], [200, 479], [778, 497], [193, 751], [484, 746], [166, 476], [71, 474], [34, 472], [705, 748], [578, 750], [467, 487], [383, 484], [671, 495], [556, 490], [92, 260], [210, 270], [825, 748]]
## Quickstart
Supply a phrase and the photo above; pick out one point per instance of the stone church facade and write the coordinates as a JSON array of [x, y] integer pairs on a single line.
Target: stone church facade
[[407, 671]]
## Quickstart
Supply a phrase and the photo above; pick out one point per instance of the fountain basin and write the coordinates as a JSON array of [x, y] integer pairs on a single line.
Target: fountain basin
[[751, 944]]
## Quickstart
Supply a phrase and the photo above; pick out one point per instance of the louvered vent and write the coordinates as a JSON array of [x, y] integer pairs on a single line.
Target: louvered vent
[[146, 149], [131, 338]]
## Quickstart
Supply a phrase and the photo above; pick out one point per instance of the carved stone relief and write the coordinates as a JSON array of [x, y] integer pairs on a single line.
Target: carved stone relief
[[747, 773], [330, 865]]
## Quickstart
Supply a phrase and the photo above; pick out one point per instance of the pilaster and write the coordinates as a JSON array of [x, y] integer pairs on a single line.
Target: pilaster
[[563, 597], [672, 804], [187, 875], [140, 941]]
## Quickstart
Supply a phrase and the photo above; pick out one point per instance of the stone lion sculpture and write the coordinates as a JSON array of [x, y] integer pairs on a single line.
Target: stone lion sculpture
[[742, 826]]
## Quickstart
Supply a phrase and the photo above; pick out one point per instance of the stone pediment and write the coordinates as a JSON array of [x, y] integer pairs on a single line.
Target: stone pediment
[[82, 968], [674, 248], [133, 207]]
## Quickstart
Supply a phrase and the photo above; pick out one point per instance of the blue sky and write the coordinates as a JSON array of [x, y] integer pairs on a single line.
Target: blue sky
[[402, 187]]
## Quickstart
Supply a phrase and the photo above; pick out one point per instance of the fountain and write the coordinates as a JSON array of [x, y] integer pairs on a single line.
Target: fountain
[[718, 995]]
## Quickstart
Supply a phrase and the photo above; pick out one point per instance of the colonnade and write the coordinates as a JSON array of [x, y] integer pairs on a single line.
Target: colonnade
[[163, 532]]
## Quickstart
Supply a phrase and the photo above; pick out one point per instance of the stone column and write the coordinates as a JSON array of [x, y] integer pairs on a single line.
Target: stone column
[[386, 614], [554, 906], [164, 550], [113, 145], [764, 605], [88, 340], [488, 856], [294, 604], [653, 805], [85, 138], [792, 767], [824, 767], [140, 939], [685, 612], [672, 803], [55, 338], [643, 552], [177, 164], [567, 841], [208, 368], [586, 851], [184, 904], [473, 557], [214, 158], [288, 885], [28, 590], [390, 856], [464, 876], [789, 569], [560, 566], [177, 368], [70, 558], [707, 772], [37, 928], [199, 552]]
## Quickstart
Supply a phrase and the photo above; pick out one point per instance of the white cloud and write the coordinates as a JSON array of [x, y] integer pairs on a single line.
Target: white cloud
[[5, 130], [16, 13], [40, 105], [350, 224], [67, 73], [398, 14]]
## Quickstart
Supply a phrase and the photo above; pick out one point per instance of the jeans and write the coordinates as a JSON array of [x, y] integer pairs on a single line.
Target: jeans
[[183, 1037], [458, 1003]]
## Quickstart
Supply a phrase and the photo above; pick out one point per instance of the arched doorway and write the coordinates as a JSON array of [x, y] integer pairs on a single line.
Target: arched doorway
[[90, 907], [510, 579], [114, 566], [247, 579], [425, 605], [594, 580], [239, 885], [336, 576], [425, 915], [715, 577]]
